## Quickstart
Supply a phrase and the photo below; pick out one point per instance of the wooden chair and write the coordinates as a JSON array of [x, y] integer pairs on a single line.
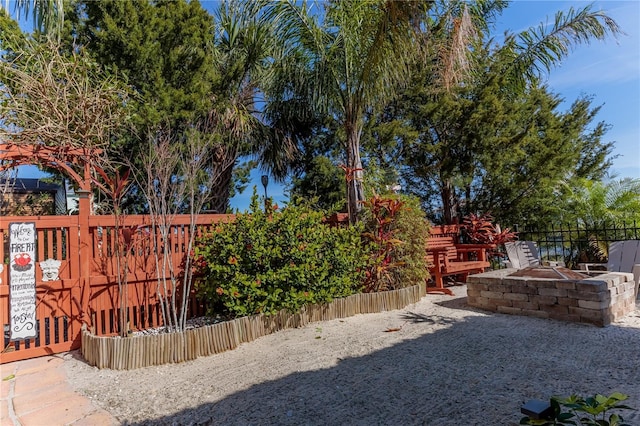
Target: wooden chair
[[447, 257], [523, 254], [624, 256]]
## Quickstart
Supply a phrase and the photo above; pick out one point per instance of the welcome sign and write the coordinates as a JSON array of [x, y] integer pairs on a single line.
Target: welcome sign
[[22, 280]]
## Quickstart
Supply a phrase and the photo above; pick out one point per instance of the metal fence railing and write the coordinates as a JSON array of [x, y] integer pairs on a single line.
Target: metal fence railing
[[573, 244]]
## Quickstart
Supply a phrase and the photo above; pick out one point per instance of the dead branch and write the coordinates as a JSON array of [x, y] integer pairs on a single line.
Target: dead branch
[[58, 100]]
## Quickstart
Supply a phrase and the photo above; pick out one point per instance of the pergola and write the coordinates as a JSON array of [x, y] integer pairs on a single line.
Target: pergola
[[68, 160], [59, 158]]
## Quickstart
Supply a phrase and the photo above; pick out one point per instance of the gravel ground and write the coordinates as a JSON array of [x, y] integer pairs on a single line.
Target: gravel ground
[[437, 362]]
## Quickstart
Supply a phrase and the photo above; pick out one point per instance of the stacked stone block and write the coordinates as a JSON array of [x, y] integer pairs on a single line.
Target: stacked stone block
[[598, 300]]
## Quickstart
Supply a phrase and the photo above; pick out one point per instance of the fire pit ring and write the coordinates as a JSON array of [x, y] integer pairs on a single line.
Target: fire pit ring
[[554, 292]]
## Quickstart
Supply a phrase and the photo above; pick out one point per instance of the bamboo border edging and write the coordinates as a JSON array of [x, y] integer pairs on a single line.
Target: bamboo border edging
[[167, 348]]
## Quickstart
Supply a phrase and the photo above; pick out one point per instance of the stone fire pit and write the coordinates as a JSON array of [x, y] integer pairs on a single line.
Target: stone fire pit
[[554, 292]]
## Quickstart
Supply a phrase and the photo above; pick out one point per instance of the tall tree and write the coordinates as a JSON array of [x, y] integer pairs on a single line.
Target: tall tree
[[357, 56], [165, 50], [246, 53], [479, 148], [322, 182], [192, 69], [517, 173], [459, 117]]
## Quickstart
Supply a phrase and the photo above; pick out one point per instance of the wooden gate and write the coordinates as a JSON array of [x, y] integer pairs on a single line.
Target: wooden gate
[[58, 324], [86, 289]]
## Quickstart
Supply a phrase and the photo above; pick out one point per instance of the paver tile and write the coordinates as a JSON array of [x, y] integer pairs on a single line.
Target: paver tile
[[57, 414], [38, 380], [99, 418], [4, 413], [5, 386], [41, 398], [6, 369], [36, 365]]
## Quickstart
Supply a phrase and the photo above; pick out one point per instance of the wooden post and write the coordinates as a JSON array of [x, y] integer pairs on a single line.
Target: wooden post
[[74, 274], [84, 243]]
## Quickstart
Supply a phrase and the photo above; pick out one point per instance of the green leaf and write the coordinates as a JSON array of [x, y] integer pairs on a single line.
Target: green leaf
[[565, 416], [615, 419], [618, 396]]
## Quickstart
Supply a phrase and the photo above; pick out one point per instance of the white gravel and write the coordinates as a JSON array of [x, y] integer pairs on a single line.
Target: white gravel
[[449, 364]]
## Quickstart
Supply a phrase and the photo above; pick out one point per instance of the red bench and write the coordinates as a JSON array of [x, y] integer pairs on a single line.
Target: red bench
[[447, 257]]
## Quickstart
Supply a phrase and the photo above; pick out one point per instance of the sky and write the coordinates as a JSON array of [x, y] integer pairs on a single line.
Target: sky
[[609, 71]]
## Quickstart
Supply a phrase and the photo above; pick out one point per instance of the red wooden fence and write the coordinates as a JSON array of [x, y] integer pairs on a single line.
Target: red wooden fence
[[86, 290]]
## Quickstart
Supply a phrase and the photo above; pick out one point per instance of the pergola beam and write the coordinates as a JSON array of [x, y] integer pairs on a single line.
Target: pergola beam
[[60, 158]]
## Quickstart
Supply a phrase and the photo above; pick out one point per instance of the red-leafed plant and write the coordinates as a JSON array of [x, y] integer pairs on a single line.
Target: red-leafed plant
[[383, 212], [396, 227], [479, 229], [114, 185]]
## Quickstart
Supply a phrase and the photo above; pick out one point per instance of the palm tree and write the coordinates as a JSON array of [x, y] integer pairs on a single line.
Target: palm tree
[[536, 51], [597, 204], [245, 55], [240, 56], [600, 209], [356, 58]]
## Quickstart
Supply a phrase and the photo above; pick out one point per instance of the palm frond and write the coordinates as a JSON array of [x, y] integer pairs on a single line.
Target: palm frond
[[537, 50], [48, 15], [452, 39]]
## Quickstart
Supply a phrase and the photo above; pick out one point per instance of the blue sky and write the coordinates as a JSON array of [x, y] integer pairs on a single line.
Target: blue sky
[[608, 71]]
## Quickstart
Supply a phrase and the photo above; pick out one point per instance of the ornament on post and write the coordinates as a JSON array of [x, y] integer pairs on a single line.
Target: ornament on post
[[50, 269]]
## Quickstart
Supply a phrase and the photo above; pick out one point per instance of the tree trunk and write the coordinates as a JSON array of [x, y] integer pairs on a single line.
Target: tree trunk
[[355, 189], [220, 191], [223, 160], [449, 202], [467, 201]]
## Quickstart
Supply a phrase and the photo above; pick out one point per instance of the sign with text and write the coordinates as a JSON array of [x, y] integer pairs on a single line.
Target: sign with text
[[22, 280]]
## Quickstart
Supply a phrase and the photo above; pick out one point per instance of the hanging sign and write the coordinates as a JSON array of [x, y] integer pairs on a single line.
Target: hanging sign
[[22, 280]]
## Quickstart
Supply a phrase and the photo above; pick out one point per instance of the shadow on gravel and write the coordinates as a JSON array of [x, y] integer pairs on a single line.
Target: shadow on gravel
[[459, 303], [474, 371], [417, 318]]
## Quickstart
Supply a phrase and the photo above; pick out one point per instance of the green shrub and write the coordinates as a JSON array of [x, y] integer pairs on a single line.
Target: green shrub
[[279, 259], [397, 227]]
